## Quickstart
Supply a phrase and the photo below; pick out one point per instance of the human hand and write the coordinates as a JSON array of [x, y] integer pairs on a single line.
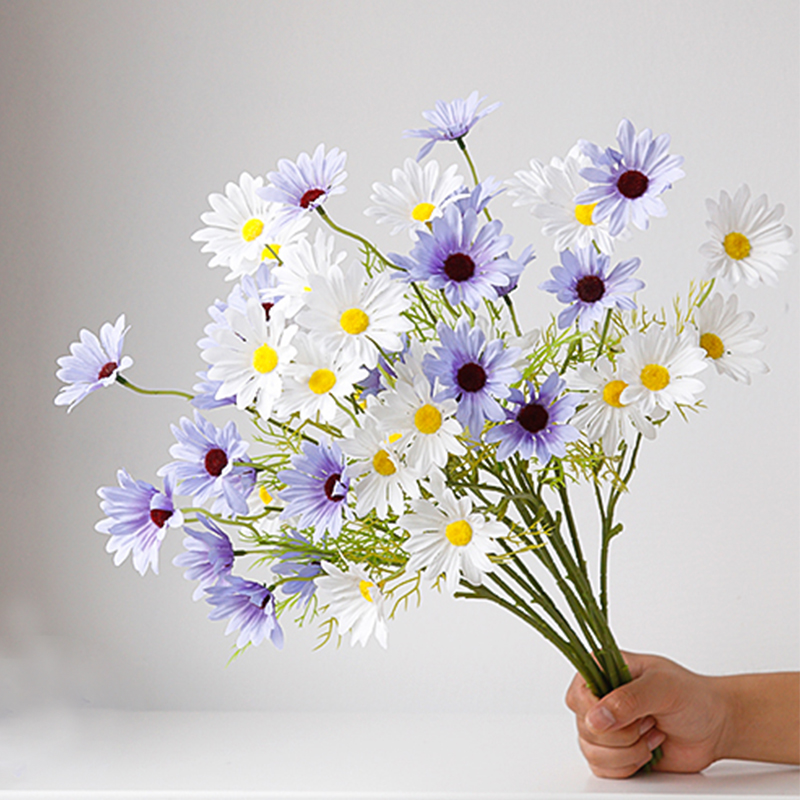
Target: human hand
[[665, 705]]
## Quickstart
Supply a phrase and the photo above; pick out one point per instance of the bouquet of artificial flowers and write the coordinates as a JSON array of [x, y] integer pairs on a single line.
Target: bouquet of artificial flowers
[[404, 431]]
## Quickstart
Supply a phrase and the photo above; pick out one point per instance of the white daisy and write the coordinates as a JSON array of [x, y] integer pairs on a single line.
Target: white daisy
[[355, 314], [550, 189], [315, 380], [418, 195], [729, 339], [355, 601], [251, 356], [749, 242], [448, 538], [658, 367], [605, 417]]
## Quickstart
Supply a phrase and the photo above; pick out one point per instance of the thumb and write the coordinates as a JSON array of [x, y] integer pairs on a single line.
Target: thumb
[[641, 697]]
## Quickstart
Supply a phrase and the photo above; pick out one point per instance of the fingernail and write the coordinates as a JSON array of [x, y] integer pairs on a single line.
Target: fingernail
[[654, 739], [647, 723], [600, 718]]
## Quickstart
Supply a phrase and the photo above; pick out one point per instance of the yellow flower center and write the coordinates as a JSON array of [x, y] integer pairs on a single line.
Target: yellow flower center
[[265, 359], [354, 321], [428, 419], [252, 229], [264, 496], [323, 380], [422, 211], [654, 377], [383, 464], [712, 344], [270, 252], [394, 437], [611, 392], [364, 587], [583, 213], [459, 533], [736, 245]]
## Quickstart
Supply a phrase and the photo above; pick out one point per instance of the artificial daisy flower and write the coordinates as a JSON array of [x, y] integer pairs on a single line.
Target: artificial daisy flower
[[451, 121], [306, 184], [138, 518], [417, 196], [316, 488], [475, 373], [584, 281], [356, 315], [205, 465], [208, 557], [550, 190], [93, 363], [658, 366], [298, 566], [248, 607], [205, 393], [604, 417], [355, 601], [749, 241], [447, 537], [538, 425], [467, 263], [730, 338], [628, 183], [251, 356]]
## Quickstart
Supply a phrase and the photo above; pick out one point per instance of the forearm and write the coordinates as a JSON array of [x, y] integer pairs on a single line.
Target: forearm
[[763, 717]]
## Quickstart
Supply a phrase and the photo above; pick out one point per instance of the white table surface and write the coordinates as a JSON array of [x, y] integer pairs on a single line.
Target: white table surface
[[157, 754]]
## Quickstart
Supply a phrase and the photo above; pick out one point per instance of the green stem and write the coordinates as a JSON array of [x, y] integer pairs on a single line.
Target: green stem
[[603, 335], [510, 305], [565, 504], [368, 246], [128, 385], [462, 144], [425, 305]]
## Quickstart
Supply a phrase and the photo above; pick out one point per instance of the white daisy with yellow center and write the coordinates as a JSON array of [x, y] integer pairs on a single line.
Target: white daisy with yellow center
[[604, 417], [730, 339], [550, 190], [356, 316], [448, 538], [251, 356], [355, 601], [418, 194], [658, 367], [749, 241]]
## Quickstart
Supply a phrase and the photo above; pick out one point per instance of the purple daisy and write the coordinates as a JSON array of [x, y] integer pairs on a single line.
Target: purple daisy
[[302, 565], [584, 281], [307, 183], [249, 607], [537, 425], [472, 371], [208, 556], [479, 198], [629, 182], [204, 467], [93, 363], [138, 516], [451, 121], [205, 391], [467, 263], [316, 488]]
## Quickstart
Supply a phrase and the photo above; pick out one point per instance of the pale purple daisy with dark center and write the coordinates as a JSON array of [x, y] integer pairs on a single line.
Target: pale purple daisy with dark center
[[537, 425], [93, 363], [138, 516], [451, 121], [248, 607], [205, 465], [475, 372], [316, 488], [208, 556], [629, 181], [466, 262], [585, 282], [300, 566]]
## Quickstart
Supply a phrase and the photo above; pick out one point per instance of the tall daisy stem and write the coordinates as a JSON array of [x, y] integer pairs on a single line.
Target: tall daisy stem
[[462, 144], [128, 385], [513, 313], [368, 246], [603, 335]]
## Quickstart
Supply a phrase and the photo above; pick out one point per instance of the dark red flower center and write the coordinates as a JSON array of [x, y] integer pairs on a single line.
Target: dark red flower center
[[330, 485], [590, 288], [533, 417], [216, 461], [267, 308], [310, 196], [159, 516], [632, 184], [459, 267], [471, 377], [107, 370]]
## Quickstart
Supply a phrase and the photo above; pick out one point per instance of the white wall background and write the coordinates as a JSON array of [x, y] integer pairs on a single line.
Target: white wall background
[[118, 119]]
